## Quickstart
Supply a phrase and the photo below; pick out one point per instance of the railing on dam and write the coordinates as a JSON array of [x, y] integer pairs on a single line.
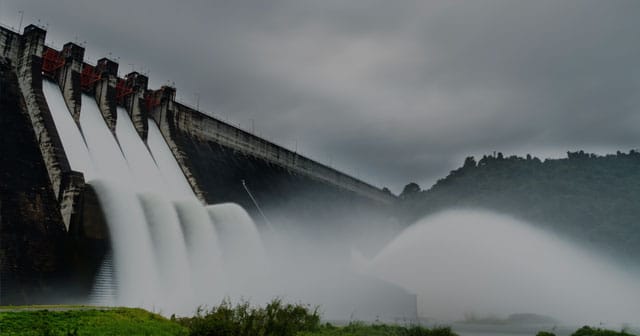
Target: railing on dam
[[205, 127]]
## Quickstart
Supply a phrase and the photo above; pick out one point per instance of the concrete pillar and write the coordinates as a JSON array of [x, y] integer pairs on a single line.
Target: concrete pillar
[[167, 97], [167, 116], [135, 103], [105, 91], [70, 198], [67, 185], [30, 81], [69, 78], [162, 104], [9, 44], [33, 40]]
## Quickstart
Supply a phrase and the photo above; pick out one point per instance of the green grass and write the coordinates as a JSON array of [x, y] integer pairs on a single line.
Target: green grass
[[116, 321], [275, 319], [42, 307]]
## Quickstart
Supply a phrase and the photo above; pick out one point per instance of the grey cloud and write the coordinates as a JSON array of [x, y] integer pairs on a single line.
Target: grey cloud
[[400, 91]]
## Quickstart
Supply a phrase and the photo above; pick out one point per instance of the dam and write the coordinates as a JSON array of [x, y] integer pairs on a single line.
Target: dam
[[115, 193]]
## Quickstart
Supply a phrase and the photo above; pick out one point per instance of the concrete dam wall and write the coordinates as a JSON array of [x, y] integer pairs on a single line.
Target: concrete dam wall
[[52, 225]]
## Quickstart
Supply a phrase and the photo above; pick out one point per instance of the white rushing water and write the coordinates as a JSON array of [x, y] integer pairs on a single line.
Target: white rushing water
[[242, 245], [242, 250], [205, 257], [473, 263], [133, 252], [103, 147], [147, 177], [72, 140], [169, 168], [133, 255], [166, 253], [105, 288], [170, 252]]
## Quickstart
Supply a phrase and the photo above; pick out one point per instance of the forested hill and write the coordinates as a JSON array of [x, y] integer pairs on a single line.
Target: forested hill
[[592, 199]]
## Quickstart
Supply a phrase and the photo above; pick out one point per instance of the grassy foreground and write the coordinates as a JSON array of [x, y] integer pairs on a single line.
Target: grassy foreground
[[81, 321], [275, 319]]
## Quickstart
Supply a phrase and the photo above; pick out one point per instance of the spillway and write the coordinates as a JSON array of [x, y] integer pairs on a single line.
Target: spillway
[[147, 177], [169, 168], [103, 147], [72, 140], [165, 252], [136, 268], [170, 252]]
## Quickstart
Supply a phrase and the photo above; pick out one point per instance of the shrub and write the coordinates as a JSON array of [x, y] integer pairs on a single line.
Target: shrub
[[588, 331], [545, 333], [276, 318]]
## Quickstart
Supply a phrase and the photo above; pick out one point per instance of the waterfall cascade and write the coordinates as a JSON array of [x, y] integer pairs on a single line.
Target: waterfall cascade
[[165, 249]]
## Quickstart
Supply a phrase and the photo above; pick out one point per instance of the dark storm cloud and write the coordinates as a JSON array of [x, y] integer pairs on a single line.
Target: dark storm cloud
[[393, 91]]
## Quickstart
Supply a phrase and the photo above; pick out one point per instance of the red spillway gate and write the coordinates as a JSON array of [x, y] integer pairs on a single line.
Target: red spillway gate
[[88, 76], [52, 60], [123, 89]]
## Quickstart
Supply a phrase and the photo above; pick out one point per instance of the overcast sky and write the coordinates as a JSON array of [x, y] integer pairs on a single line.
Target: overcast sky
[[392, 91]]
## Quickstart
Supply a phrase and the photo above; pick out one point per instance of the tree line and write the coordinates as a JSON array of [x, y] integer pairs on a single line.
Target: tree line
[[594, 199]]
